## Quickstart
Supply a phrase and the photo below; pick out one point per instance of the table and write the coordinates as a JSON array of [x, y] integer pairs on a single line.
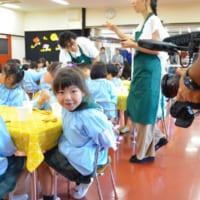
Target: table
[[121, 101], [33, 137], [123, 94]]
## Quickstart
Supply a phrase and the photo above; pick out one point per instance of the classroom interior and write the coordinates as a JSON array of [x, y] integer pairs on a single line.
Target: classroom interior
[[174, 174]]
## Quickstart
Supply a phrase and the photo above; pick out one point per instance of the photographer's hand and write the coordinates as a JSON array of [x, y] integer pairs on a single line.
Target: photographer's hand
[[185, 94]]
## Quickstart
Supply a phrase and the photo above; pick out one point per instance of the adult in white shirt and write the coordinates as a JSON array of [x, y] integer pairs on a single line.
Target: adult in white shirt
[[76, 49]]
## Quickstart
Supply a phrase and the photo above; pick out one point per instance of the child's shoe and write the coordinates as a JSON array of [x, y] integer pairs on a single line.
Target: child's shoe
[[81, 190], [20, 197]]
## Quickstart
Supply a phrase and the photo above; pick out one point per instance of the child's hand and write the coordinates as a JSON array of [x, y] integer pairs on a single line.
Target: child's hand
[[44, 95]]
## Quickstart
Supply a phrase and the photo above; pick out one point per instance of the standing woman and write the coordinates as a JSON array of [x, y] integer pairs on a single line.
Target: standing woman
[[142, 102]]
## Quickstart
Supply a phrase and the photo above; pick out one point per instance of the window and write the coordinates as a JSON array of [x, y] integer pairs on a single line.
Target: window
[[3, 46]]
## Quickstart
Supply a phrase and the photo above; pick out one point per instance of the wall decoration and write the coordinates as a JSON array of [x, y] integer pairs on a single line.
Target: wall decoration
[[45, 44]]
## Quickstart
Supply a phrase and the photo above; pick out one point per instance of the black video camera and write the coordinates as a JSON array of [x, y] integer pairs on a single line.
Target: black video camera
[[182, 111]]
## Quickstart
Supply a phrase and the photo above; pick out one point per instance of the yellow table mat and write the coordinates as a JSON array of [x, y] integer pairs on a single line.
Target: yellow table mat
[[33, 137]]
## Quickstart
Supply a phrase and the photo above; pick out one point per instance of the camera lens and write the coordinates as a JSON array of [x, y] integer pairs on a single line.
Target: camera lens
[[169, 85]]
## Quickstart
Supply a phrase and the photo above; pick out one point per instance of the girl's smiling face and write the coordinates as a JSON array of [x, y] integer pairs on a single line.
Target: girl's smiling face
[[70, 97]]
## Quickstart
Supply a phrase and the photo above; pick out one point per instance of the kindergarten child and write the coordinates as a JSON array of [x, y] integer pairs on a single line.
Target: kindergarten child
[[84, 128], [10, 165], [12, 93]]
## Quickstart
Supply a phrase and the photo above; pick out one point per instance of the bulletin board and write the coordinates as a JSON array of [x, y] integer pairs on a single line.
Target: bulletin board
[[45, 44]]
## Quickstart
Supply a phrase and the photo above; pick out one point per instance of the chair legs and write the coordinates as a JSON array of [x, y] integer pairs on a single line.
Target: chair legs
[[112, 181], [164, 127], [33, 187], [55, 185], [98, 187]]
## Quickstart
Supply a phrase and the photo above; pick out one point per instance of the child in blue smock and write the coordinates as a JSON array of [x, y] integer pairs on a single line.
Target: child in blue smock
[[113, 72], [31, 77], [46, 96], [84, 128], [10, 166], [12, 93], [103, 90]]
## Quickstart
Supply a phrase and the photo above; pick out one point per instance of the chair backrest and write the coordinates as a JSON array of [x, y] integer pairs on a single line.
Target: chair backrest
[[29, 88], [110, 110], [99, 171]]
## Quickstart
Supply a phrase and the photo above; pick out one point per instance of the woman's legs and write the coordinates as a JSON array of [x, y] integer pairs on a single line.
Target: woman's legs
[[145, 141]]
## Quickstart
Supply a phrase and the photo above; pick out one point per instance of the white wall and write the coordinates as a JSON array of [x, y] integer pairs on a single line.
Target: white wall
[[15, 23], [169, 13], [53, 20], [11, 22], [18, 47]]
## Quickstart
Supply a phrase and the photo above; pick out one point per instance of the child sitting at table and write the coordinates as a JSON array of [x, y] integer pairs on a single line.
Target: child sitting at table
[[113, 72], [102, 90], [45, 96], [84, 128], [86, 70], [10, 166], [12, 94]]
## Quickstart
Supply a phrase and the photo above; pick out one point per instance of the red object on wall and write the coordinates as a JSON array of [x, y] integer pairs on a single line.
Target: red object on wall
[[7, 45]]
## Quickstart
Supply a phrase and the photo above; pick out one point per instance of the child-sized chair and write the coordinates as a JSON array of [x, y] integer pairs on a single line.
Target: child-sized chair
[[98, 171]]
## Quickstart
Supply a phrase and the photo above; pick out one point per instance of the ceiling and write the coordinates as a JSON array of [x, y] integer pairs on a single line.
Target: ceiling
[[33, 5]]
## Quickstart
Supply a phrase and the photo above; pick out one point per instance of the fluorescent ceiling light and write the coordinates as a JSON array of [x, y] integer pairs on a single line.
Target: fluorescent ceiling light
[[63, 2], [7, 5]]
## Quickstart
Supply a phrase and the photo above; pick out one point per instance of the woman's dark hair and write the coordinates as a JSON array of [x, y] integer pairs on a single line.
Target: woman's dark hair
[[112, 69], [66, 37], [126, 72], [153, 5], [68, 76], [14, 71], [99, 70]]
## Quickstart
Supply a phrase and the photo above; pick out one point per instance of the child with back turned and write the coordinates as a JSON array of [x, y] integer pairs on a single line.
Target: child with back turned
[[84, 128], [102, 90]]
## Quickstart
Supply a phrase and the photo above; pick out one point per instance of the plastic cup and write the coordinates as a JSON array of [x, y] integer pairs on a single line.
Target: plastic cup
[[124, 89], [29, 105], [56, 109], [23, 113]]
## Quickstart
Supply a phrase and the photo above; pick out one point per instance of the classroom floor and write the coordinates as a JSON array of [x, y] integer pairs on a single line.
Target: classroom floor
[[174, 175]]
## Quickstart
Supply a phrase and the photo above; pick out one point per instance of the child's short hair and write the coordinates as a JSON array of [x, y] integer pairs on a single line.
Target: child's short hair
[[54, 67], [85, 65], [14, 71], [99, 70], [112, 69], [13, 61], [68, 76]]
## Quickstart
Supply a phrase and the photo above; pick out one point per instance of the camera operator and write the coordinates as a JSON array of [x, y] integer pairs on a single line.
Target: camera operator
[[186, 91]]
